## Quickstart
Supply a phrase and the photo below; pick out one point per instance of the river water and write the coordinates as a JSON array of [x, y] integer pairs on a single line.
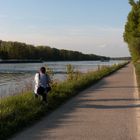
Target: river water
[[18, 78]]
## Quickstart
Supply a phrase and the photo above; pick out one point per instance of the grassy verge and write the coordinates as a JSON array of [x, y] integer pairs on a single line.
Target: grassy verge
[[20, 111], [137, 70]]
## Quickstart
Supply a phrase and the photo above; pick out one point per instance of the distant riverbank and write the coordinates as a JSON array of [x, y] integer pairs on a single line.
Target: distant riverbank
[[20, 61]]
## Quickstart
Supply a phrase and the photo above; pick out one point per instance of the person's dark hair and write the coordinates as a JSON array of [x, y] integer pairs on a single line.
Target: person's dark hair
[[43, 69]]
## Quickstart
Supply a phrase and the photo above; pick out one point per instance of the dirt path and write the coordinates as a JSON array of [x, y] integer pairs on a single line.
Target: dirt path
[[105, 111]]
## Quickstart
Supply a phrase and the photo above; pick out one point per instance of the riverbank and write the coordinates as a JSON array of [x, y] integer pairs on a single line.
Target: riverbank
[[15, 77], [20, 111], [20, 61], [137, 70]]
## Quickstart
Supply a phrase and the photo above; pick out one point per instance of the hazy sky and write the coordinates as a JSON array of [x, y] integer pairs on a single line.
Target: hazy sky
[[89, 26]]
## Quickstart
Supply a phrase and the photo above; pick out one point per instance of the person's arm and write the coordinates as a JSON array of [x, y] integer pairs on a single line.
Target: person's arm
[[36, 79], [36, 82]]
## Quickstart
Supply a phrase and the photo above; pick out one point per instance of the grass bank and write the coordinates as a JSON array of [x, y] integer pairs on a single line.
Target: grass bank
[[137, 70], [20, 111]]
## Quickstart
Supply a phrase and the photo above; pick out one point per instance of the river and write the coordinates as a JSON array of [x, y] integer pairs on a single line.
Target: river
[[18, 78]]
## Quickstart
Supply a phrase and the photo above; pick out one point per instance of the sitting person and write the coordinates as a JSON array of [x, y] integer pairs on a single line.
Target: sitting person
[[42, 81]]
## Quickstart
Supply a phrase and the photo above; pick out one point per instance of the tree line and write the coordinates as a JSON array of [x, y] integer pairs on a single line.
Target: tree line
[[21, 51], [132, 30]]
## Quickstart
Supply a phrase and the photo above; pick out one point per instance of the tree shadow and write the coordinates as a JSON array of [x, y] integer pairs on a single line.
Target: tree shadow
[[119, 87], [110, 106], [124, 103], [109, 100]]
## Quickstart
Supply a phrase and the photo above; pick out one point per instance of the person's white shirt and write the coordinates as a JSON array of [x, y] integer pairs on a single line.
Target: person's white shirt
[[42, 80]]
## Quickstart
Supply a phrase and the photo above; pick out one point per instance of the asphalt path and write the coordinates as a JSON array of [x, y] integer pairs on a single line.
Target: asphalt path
[[108, 110]]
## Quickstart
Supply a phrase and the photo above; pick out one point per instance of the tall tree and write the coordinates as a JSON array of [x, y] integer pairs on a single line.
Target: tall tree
[[132, 30]]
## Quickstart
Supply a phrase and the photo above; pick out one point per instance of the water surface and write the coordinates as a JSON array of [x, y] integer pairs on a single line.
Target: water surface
[[16, 78]]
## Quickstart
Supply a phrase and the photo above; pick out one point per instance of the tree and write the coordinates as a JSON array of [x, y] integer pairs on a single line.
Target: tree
[[132, 2], [132, 30], [18, 50]]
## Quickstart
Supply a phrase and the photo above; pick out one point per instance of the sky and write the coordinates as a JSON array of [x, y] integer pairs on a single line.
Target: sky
[[88, 26]]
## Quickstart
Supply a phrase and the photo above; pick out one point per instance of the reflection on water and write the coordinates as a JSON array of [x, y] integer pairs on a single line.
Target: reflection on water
[[11, 83], [16, 78]]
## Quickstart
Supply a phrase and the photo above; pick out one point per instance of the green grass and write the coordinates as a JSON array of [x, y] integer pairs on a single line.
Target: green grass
[[137, 70], [18, 112]]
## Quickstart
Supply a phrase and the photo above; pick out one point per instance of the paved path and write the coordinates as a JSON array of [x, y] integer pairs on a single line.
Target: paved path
[[105, 111]]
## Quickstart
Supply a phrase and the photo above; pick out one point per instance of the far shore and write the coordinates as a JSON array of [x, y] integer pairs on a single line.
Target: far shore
[[20, 61]]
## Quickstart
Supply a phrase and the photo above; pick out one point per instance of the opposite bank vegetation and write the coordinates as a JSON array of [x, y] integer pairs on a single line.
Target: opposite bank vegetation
[[21, 51], [19, 111]]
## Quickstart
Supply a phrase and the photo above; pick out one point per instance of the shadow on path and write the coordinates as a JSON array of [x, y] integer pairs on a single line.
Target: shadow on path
[[118, 87], [109, 106], [109, 100]]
